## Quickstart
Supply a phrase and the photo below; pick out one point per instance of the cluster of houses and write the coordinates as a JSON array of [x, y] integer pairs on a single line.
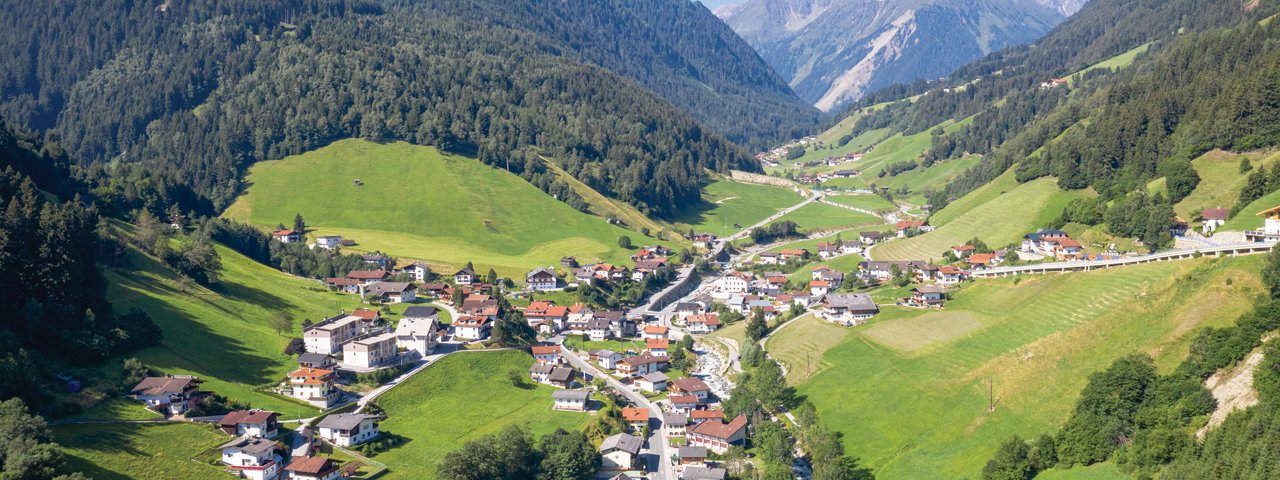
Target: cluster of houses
[[546, 317], [1052, 244], [255, 452]]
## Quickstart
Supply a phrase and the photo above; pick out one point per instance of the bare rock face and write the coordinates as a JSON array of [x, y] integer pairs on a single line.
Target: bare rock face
[[834, 51]]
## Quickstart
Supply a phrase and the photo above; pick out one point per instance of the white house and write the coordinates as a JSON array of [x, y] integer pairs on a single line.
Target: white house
[[548, 354], [572, 400], [253, 423], [691, 386], [348, 429], [619, 452], [541, 279], [418, 271], [734, 282], [391, 292], [848, 309], [472, 327], [1270, 227], [312, 385], [608, 359], [286, 236], [416, 334], [464, 277], [653, 382], [1213, 218], [654, 332], [327, 336], [702, 323], [370, 352], [171, 394], [329, 242], [251, 457]]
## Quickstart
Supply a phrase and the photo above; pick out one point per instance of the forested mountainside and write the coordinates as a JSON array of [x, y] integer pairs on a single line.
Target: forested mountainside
[[834, 51], [1208, 81], [192, 92]]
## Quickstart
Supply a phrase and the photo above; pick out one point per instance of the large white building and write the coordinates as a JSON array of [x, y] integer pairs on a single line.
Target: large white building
[[328, 336], [370, 352]]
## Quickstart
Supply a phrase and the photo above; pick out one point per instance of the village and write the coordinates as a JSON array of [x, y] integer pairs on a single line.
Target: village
[[650, 359]]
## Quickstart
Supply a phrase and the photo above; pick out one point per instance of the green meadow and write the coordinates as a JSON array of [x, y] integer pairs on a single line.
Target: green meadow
[[818, 216], [874, 203], [119, 451], [419, 203], [460, 398], [727, 202], [1221, 181], [998, 222], [910, 390]]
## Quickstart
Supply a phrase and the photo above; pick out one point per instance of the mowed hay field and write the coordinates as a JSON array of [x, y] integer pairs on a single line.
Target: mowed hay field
[[819, 216], [1221, 181], [464, 396], [220, 333], [729, 202], [999, 222], [122, 451], [418, 203], [874, 203], [800, 345], [909, 390]]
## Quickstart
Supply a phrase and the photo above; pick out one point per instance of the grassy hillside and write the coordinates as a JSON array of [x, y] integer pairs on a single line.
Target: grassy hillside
[[460, 398], [869, 202], [124, 451], [1221, 180], [801, 344], [1117, 62], [220, 334], [998, 222], [974, 199], [1247, 218], [418, 203], [820, 216], [728, 202], [909, 390]]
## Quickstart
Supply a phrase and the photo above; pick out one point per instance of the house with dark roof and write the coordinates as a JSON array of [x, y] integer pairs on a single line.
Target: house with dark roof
[[718, 436], [619, 452], [541, 279], [1213, 218], [367, 277], [255, 423], [848, 309], [572, 400], [926, 296], [561, 377], [703, 473], [653, 382], [391, 292], [869, 238], [253, 458], [691, 386], [692, 455], [316, 360], [641, 364], [465, 276], [348, 429], [170, 394]]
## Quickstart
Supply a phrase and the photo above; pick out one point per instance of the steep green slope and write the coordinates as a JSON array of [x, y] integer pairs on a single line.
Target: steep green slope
[[910, 390], [728, 203], [415, 202]]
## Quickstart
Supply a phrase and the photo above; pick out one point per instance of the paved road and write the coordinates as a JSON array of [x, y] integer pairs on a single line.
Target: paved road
[[657, 441], [746, 231]]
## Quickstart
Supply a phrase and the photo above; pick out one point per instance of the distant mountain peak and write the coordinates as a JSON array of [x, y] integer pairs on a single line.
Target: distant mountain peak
[[834, 51]]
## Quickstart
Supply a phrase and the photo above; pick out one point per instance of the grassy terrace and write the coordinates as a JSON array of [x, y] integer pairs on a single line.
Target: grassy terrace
[[819, 216], [123, 451], [909, 390], [998, 222], [874, 203], [729, 202], [462, 397], [418, 203]]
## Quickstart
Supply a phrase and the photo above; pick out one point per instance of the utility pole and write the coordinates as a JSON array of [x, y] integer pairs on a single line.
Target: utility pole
[[991, 401]]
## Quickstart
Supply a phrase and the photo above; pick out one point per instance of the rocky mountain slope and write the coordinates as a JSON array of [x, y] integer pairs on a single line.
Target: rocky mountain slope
[[834, 51]]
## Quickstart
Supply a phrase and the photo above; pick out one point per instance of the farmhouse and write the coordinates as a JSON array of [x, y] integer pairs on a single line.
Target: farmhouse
[[904, 227], [251, 457], [1034, 242], [1213, 218], [313, 468], [769, 259], [255, 423], [848, 309], [370, 352], [926, 296], [795, 254], [391, 292], [962, 251], [573, 400], [718, 436], [286, 236], [706, 241], [541, 279], [870, 238], [343, 284], [312, 385], [170, 394], [619, 452], [561, 377], [348, 429]]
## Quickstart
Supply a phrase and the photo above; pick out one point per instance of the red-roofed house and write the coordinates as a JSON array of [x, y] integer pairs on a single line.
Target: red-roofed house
[[718, 436], [703, 323], [690, 386], [903, 226], [819, 287], [549, 354], [367, 277], [258, 423], [653, 332], [981, 260], [699, 416], [286, 236], [657, 346], [1213, 218], [313, 468], [636, 418]]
